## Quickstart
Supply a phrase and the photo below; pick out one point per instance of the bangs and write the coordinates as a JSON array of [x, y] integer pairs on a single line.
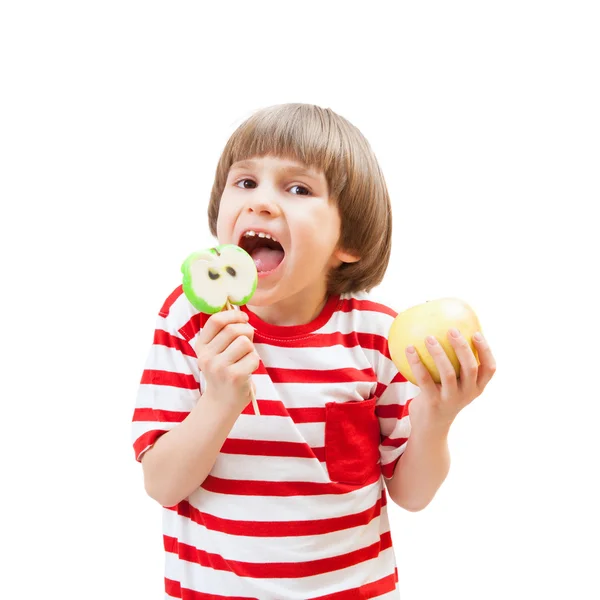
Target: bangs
[[301, 133]]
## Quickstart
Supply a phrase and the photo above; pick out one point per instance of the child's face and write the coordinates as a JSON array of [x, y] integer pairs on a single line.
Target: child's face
[[273, 196]]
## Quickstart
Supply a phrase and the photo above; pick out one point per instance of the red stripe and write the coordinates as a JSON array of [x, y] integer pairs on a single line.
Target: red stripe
[[381, 388], [193, 326], [144, 441], [275, 408], [166, 307], [162, 416], [355, 304], [347, 375], [388, 470], [268, 408], [173, 588], [274, 570], [398, 378], [162, 338], [391, 411], [369, 590], [241, 487], [307, 415], [271, 448], [393, 442], [374, 342], [179, 380], [278, 528]]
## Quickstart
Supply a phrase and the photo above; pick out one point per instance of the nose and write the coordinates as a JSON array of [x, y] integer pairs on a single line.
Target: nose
[[263, 204]]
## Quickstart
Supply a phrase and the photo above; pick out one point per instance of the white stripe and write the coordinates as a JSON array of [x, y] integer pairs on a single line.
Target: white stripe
[[285, 549], [216, 582], [180, 312], [311, 395], [166, 397], [317, 359], [383, 366], [264, 387], [313, 433], [389, 454], [139, 428], [164, 358], [359, 321], [288, 508], [395, 428], [353, 322], [268, 468], [281, 429], [399, 393], [298, 395]]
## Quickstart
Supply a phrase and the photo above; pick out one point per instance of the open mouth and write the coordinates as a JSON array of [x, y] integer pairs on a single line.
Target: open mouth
[[264, 249]]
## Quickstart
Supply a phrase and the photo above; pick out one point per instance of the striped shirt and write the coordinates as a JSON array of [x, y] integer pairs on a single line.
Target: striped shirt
[[294, 507]]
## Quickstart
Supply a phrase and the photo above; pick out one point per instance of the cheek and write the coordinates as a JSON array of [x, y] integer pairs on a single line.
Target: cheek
[[225, 222]]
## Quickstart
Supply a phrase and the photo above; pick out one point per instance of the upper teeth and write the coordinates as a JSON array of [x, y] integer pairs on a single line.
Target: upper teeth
[[259, 234]]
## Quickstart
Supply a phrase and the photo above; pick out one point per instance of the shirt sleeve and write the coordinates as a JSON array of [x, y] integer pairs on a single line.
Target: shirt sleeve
[[170, 384], [394, 394], [394, 421]]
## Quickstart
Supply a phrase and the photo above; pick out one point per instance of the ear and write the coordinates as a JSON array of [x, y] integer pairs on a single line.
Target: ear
[[345, 257]]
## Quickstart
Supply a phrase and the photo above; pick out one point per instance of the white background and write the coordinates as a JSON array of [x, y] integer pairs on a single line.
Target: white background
[[485, 119]]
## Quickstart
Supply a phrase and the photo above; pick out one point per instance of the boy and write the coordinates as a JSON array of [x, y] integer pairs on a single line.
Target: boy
[[290, 504]]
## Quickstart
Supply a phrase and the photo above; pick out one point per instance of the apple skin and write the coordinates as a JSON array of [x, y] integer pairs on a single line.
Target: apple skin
[[435, 317], [209, 255]]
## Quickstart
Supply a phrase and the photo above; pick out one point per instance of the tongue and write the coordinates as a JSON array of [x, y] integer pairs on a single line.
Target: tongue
[[267, 259]]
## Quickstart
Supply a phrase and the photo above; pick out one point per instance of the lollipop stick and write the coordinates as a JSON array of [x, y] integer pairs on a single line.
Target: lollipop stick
[[254, 402], [229, 306]]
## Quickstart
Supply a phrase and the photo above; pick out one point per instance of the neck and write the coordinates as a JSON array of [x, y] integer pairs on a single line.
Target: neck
[[299, 309]]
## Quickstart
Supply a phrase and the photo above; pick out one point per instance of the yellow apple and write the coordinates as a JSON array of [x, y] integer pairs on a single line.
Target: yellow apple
[[435, 317]]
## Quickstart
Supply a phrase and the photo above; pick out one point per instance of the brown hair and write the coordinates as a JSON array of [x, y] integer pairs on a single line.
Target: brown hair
[[320, 138]]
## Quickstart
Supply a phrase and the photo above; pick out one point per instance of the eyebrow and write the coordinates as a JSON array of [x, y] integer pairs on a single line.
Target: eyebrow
[[244, 164]]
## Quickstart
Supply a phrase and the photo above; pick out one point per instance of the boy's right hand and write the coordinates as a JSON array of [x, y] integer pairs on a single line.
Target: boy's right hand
[[227, 358]]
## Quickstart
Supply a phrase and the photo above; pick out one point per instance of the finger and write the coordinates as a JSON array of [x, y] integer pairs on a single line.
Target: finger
[[487, 363], [237, 350], [246, 366], [227, 335], [421, 374], [466, 358], [216, 322], [443, 364]]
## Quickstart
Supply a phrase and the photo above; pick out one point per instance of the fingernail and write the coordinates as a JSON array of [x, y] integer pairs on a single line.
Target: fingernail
[[431, 340], [411, 349], [478, 337], [454, 332]]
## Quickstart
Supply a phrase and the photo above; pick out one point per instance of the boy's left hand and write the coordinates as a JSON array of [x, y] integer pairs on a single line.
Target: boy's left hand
[[439, 403]]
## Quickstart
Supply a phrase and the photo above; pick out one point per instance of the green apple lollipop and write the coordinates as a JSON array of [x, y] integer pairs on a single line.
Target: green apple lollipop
[[216, 278]]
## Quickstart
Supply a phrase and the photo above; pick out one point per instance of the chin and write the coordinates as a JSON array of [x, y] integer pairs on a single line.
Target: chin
[[264, 297]]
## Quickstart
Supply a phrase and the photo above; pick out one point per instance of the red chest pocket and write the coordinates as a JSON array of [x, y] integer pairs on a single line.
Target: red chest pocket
[[352, 437]]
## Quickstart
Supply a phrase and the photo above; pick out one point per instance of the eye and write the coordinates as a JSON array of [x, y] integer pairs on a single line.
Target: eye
[[301, 187], [245, 180]]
